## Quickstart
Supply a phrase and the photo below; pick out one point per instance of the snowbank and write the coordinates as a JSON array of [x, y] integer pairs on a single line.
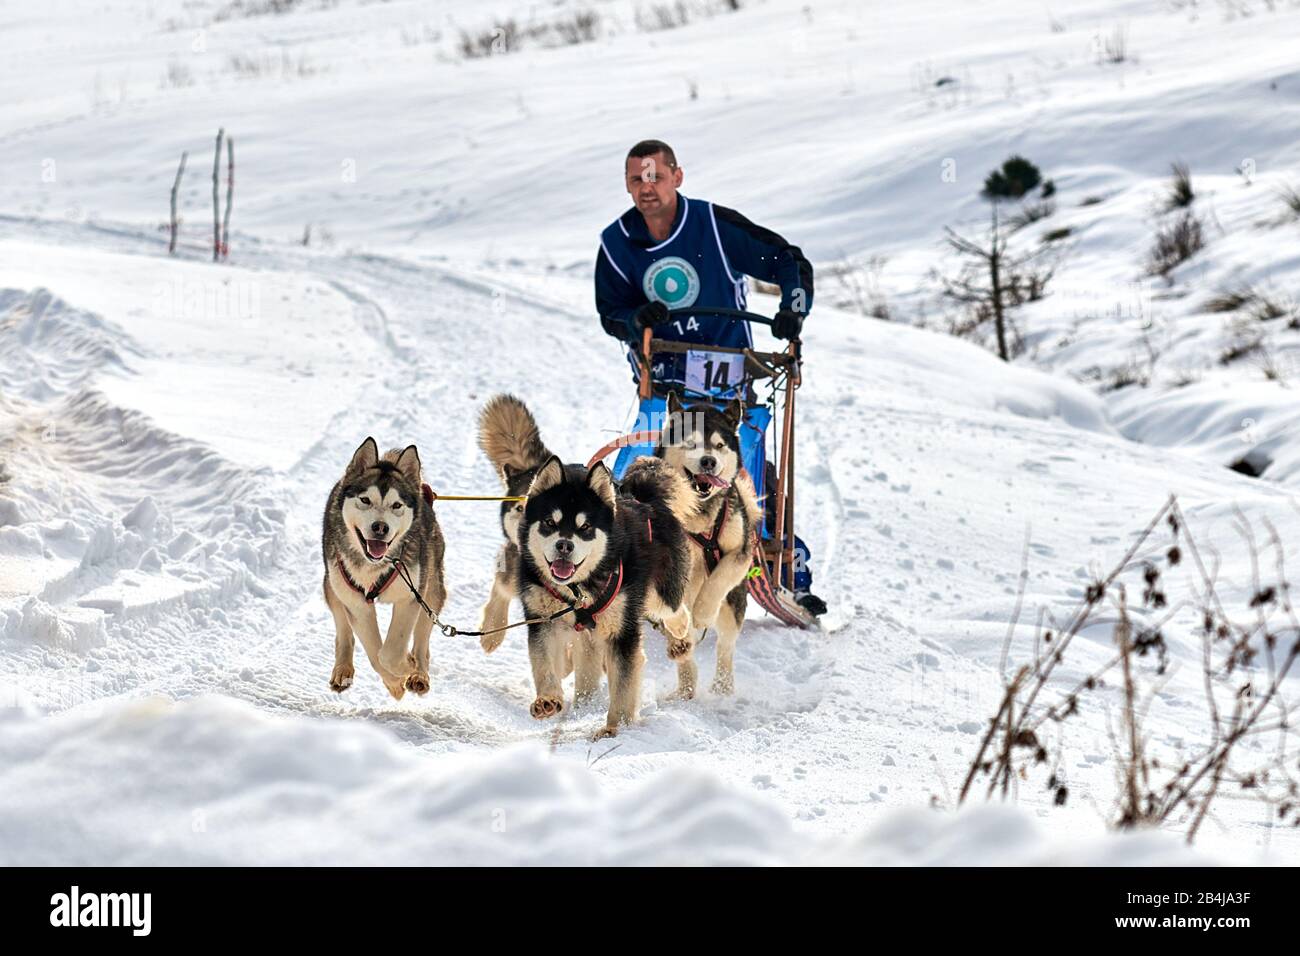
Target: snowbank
[[1223, 421], [256, 362], [216, 781], [148, 409]]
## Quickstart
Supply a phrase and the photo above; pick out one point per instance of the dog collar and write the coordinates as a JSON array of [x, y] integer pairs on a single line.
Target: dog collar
[[584, 616], [377, 588]]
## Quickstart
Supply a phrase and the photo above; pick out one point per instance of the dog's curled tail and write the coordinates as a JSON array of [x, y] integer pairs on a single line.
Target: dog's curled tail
[[650, 481], [508, 435]]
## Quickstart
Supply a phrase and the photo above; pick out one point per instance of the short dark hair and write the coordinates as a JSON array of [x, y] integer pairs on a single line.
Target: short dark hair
[[648, 147]]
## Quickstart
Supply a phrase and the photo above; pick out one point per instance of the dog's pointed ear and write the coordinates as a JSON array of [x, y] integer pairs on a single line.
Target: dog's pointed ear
[[366, 456], [734, 413], [408, 463], [601, 481], [548, 476], [671, 432], [508, 471]]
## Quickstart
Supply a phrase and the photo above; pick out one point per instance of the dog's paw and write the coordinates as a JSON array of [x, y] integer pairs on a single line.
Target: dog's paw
[[396, 688], [723, 686], [341, 679], [393, 668], [683, 693], [490, 642], [606, 731], [679, 648], [418, 683], [544, 707]]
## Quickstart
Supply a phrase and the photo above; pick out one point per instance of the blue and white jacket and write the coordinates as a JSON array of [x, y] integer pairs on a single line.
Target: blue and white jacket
[[703, 262]]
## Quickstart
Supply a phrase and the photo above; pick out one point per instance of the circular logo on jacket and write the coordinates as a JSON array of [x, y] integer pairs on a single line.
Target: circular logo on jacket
[[672, 281]]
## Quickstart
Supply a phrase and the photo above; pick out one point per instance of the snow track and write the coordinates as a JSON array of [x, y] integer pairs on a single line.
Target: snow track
[[186, 573]]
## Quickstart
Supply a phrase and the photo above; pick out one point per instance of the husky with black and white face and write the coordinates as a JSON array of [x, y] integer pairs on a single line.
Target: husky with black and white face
[[702, 443], [376, 518], [616, 555]]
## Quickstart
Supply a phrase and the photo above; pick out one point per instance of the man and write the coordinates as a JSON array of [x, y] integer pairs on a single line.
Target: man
[[672, 252]]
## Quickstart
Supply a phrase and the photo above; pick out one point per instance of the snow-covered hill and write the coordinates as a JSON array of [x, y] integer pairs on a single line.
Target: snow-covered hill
[[169, 428]]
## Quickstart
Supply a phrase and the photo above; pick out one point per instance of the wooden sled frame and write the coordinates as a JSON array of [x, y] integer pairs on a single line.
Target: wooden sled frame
[[785, 369]]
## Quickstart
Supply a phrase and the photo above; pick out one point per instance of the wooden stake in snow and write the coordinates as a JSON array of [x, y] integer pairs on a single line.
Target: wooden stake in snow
[[216, 199], [180, 171], [230, 195]]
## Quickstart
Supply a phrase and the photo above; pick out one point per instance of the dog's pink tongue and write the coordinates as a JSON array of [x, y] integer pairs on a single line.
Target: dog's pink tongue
[[562, 569], [706, 478], [376, 548]]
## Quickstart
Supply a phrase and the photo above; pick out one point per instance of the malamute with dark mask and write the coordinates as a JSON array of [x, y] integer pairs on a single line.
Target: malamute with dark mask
[[376, 515], [613, 557], [702, 444]]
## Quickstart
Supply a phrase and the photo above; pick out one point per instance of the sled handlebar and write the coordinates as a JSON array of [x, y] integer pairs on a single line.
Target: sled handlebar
[[792, 352], [753, 318]]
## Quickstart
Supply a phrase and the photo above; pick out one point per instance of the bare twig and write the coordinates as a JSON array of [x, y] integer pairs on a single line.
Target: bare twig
[[216, 199], [230, 195], [175, 222], [1152, 790]]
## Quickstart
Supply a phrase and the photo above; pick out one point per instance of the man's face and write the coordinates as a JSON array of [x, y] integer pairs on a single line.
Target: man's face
[[651, 182]]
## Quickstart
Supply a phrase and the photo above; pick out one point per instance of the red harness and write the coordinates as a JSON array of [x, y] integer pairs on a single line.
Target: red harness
[[708, 540], [377, 588], [584, 616]]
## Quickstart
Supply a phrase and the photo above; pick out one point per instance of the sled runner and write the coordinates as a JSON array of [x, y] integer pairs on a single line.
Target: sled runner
[[717, 374]]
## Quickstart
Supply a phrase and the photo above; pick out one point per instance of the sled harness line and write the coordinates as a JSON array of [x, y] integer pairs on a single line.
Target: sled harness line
[[430, 496], [451, 630], [709, 540], [635, 438], [585, 617], [377, 588]]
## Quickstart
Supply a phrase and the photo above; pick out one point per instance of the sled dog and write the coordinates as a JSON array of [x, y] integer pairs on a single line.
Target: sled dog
[[379, 516], [702, 443], [611, 557]]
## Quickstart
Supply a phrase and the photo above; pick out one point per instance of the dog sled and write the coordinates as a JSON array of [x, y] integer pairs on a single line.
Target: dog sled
[[766, 383]]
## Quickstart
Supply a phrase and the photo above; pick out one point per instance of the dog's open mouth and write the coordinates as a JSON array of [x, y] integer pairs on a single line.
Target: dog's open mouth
[[374, 548], [706, 484], [562, 569]]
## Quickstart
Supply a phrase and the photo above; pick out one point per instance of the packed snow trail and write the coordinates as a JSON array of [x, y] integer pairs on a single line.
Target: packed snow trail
[[921, 462]]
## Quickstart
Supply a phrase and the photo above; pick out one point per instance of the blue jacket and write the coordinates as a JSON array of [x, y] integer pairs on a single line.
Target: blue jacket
[[703, 262]]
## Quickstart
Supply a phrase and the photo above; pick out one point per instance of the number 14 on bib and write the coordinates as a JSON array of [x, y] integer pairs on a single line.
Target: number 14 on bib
[[716, 373]]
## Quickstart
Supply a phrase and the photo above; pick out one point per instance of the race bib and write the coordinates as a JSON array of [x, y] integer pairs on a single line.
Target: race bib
[[714, 373]]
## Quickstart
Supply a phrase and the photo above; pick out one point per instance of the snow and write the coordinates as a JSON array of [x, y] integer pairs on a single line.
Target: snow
[[213, 781], [214, 333], [169, 429]]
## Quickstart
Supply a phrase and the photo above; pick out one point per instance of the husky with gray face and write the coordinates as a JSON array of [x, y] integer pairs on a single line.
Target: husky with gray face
[[607, 558], [509, 436], [702, 443], [377, 518]]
